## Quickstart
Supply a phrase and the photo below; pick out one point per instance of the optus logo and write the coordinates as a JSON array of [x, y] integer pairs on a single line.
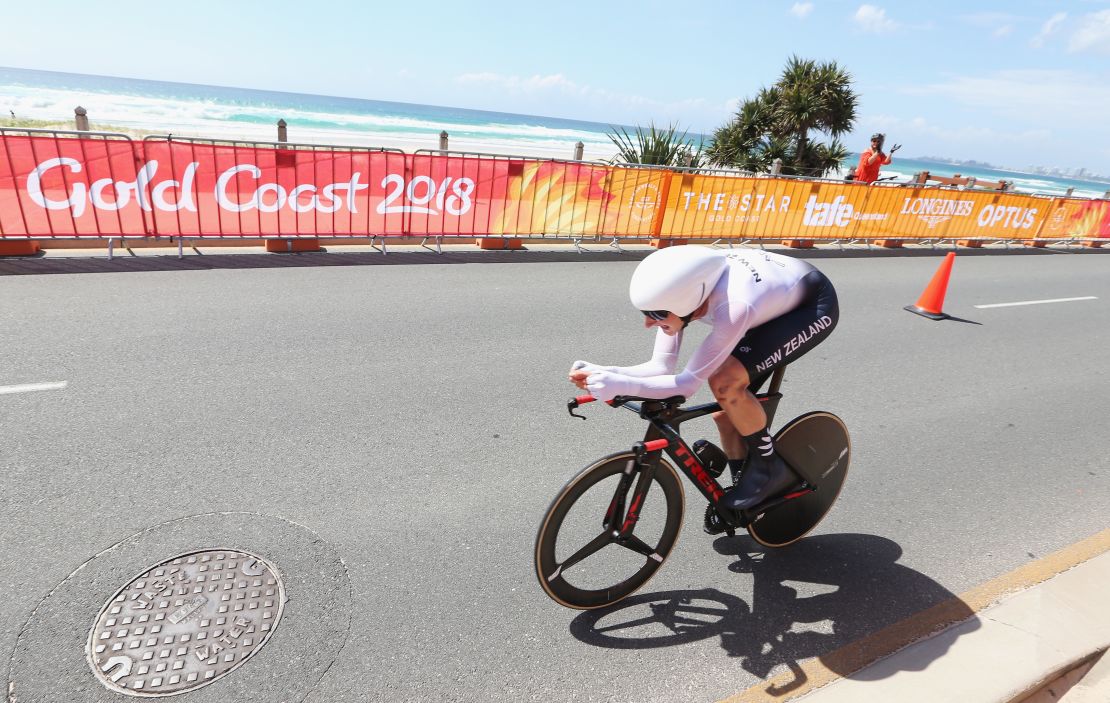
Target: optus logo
[[1007, 216]]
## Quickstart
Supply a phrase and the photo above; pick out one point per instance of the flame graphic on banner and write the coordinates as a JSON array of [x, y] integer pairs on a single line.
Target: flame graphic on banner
[[555, 198], [1092, 220], [1079, 220]]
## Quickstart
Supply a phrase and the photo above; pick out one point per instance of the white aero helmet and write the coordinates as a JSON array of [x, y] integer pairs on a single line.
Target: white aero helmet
[[676, 279]]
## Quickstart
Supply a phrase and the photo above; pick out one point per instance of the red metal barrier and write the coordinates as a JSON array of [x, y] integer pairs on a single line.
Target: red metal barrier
[[53, 185]]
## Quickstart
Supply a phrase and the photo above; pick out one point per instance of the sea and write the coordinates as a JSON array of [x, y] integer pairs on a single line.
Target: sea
[[183, 109]]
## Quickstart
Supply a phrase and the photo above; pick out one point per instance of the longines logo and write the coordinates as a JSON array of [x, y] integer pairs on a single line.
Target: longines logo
[[933, 211]]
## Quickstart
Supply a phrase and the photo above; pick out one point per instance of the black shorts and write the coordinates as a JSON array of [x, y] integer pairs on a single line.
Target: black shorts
[[789, 336]]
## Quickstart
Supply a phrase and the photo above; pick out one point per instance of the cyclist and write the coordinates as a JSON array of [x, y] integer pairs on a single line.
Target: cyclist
[[765, 310]]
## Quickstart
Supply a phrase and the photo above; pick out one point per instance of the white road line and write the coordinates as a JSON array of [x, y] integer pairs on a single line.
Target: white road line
[[1038, 302], [30, 387]]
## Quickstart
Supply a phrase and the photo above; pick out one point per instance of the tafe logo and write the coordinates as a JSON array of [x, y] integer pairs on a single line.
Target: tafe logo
[[643, 201], [838, 213]]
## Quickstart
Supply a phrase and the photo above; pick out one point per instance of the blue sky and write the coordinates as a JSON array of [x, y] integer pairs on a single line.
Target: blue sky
[[1015, 84]]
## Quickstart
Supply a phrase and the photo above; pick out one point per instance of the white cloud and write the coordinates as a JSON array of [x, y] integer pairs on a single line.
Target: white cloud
[[1048, 29], [870, 18], [1058, 99], [801, 10], [1093, 34], [999, 24], [988, 20], [898, 128], [526, 84], [540, 89], [1009, 117]]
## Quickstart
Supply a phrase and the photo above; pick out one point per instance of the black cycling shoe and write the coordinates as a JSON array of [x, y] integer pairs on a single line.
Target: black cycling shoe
[[764, 477]]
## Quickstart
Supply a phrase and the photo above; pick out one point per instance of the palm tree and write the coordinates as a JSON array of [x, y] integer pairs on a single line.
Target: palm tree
[[777, 123], [743, 141], [657, 147]]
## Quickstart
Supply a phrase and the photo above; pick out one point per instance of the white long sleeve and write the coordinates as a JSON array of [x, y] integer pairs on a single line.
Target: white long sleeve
[[664, 358], [729, 325]]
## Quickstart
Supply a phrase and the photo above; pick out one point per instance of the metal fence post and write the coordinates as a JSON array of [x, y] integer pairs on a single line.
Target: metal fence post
[[443, 140], [578, 148], [776, 167], [81, 119], [283, 135]]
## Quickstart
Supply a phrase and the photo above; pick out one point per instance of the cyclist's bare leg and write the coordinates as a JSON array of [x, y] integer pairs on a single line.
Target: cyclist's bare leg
[[731, 442], [741, 414]]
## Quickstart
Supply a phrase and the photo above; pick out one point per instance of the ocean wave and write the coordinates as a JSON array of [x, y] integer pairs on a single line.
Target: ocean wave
[[159, 113]]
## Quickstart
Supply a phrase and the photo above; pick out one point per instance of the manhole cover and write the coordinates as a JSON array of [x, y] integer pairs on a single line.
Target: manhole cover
[[186, 622]]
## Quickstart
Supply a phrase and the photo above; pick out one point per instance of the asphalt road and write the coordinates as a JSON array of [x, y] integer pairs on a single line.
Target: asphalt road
[[388, 436]]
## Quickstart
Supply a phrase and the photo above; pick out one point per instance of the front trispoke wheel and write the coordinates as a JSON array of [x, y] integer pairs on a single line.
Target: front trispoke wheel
[[591, 576], [595, 544]]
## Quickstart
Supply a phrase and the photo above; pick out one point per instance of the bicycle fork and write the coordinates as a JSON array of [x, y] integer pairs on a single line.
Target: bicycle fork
[[620, 523]]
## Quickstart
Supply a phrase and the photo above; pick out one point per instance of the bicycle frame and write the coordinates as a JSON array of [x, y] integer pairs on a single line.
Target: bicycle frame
[[663, 435]]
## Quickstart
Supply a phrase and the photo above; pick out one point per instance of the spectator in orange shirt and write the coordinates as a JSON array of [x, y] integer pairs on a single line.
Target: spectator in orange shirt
[[873, 158]]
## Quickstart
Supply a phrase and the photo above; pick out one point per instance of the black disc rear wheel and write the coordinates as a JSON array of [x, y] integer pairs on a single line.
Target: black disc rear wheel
[[579, 562], [817, 444]]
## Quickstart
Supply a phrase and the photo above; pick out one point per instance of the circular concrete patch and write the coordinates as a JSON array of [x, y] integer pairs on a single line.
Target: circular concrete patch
[[50, 662]]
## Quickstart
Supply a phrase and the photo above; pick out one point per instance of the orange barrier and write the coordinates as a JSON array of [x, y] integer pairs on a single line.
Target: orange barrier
[[769, 208], [82, 185]]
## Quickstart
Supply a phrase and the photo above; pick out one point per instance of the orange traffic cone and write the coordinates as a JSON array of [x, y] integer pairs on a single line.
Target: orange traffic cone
[[932, 300]]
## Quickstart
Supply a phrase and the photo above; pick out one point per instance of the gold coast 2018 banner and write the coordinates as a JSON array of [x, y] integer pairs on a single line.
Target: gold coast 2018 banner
[[54, 186]]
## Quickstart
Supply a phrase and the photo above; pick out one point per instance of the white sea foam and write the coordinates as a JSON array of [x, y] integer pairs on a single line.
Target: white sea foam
[[257, 122]]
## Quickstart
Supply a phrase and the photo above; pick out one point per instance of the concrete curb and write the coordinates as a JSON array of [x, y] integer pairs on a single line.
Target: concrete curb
[[1007, 651], [1094, 687]]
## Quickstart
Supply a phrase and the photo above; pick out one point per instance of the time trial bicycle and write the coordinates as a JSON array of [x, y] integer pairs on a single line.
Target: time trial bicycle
[[613, 525]]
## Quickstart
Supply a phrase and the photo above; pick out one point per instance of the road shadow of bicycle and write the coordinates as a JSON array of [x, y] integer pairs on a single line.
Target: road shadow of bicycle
[[853, 587]]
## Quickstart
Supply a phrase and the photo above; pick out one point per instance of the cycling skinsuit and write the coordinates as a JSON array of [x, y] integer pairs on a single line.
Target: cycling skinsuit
[[766, 310]]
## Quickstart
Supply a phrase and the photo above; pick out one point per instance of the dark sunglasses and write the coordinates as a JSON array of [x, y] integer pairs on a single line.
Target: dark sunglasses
[[657, 315]]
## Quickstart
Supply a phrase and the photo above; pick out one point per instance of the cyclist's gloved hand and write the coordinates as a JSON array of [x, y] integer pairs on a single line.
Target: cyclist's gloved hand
[[605, 385], [579, 371]]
